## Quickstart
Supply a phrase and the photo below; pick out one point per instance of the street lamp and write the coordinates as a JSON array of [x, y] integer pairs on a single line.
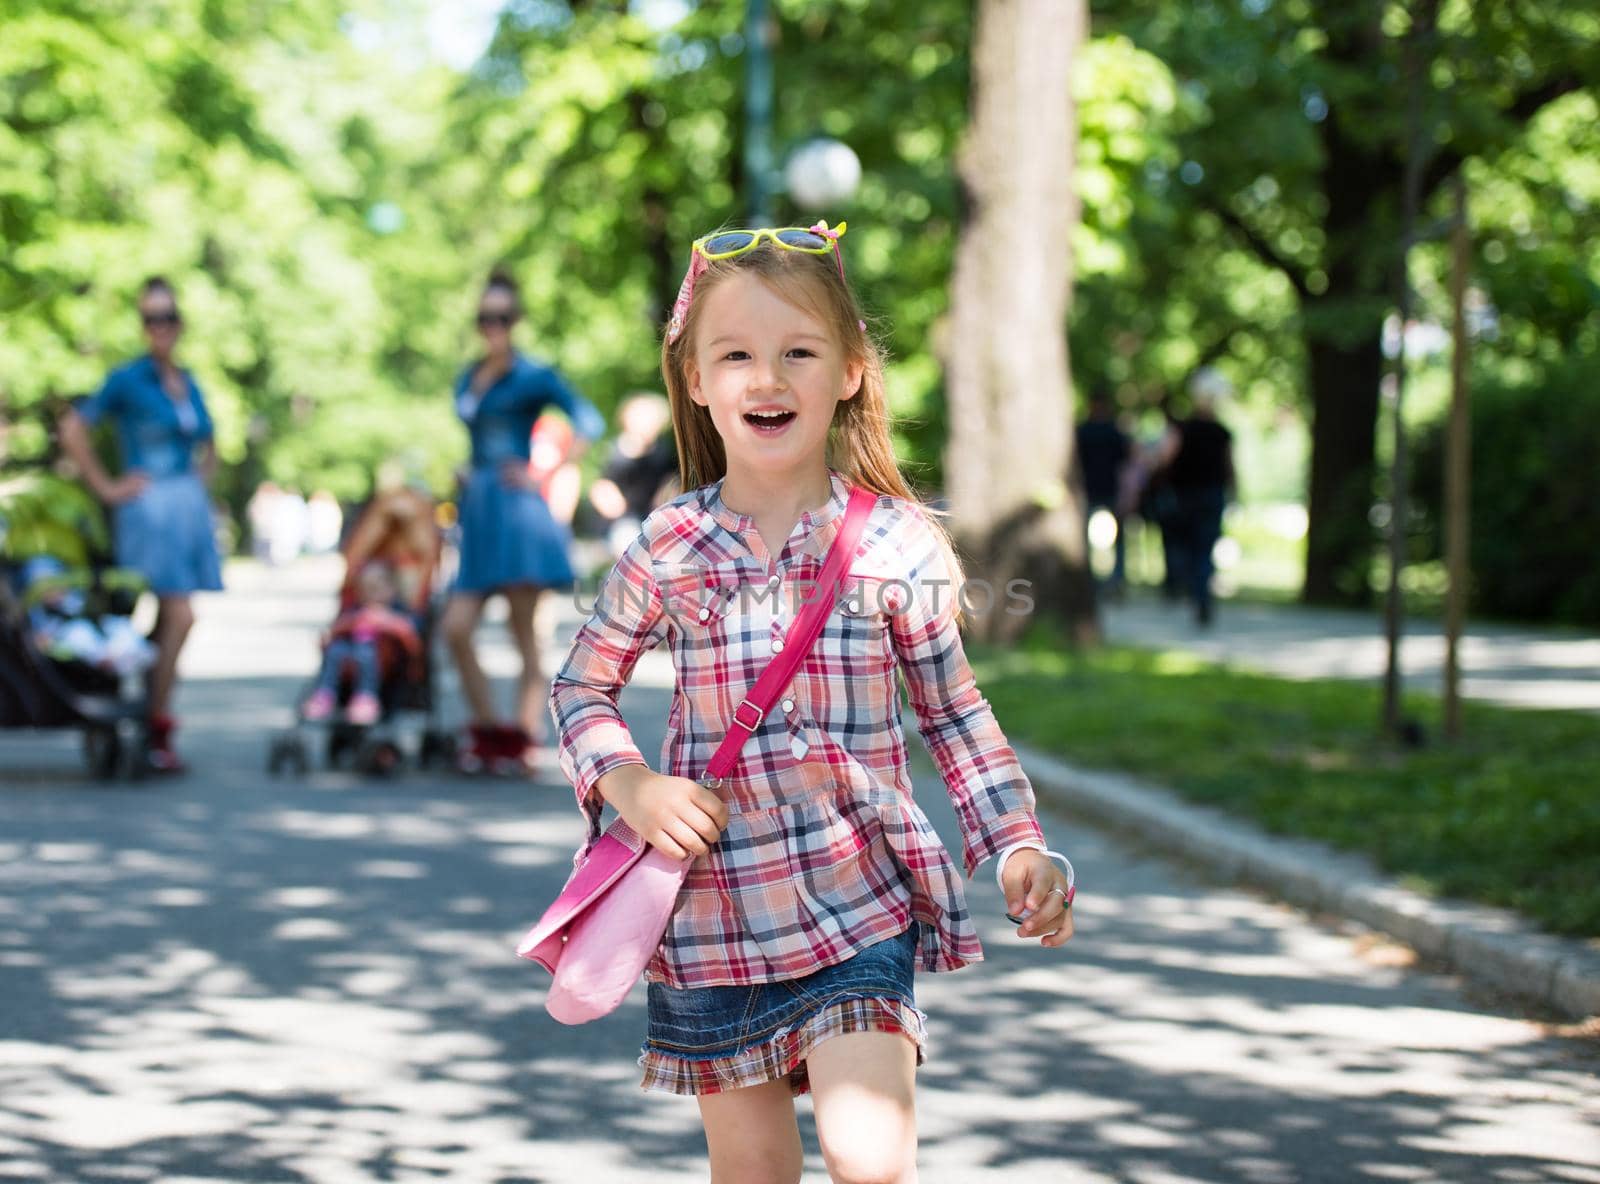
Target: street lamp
[[758, 29], [821, 174]]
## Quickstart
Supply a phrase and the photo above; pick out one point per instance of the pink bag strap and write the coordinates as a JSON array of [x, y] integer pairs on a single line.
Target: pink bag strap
[[797, 643]]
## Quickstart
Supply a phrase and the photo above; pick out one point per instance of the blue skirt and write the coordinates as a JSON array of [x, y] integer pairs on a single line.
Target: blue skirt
[[166, 533], [509, 537], [706, 1040]]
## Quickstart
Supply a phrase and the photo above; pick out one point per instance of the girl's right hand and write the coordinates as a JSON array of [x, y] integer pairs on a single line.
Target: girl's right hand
[[678, 817], [125, 488]]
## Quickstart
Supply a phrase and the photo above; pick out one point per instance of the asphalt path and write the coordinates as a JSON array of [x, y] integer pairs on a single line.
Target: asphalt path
[[232, 977]]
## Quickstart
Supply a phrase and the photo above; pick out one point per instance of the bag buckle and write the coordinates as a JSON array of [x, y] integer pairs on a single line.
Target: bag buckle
[[749, 727]]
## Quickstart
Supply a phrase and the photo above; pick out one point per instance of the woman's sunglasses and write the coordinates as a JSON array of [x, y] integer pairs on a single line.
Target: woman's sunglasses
[[160, 319], [500, 320]]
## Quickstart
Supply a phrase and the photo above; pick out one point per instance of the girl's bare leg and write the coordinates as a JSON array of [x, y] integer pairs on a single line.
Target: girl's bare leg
[[524, 602], [752, 1135], [864, 1085], [461, 615]]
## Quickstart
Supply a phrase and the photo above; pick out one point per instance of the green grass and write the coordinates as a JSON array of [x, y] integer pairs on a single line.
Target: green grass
[[1509, 815]]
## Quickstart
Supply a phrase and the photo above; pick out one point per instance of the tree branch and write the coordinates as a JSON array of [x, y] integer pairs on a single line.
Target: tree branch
[[1523, 108], [1265, 250]]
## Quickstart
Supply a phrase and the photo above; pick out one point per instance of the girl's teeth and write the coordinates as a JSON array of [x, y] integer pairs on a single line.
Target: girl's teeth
[[769, 419]]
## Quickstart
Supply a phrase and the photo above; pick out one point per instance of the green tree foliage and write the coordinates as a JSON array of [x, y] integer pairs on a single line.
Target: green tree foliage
[[328, 197], [1292, 134], [1536, 405], [161, 137], [610, 145]]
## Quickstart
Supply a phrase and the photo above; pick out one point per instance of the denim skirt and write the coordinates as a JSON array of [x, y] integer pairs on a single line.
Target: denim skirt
[[707, 1040], [167, 534]]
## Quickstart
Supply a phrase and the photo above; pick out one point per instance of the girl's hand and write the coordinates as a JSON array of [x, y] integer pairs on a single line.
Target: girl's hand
[[1036, 888], [676, 816]]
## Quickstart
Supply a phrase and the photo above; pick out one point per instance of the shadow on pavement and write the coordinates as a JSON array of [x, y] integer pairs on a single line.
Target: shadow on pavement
[[234, 978]]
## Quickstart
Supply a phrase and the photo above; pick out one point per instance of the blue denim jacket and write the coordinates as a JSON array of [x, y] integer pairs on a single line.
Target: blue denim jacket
[[501, 419], [157, 434]]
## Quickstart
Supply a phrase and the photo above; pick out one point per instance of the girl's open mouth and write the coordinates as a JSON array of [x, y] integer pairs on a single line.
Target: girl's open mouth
[[769, 422]]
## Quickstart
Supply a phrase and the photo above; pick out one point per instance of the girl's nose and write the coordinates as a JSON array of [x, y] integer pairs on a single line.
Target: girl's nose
[[766, 375]]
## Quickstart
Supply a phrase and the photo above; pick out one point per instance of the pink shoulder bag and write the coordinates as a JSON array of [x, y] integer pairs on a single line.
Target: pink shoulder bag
[[601, 932]]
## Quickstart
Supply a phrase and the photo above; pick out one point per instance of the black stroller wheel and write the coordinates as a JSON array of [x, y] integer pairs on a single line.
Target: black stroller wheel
[[287, 754], [102, 751], [378, 758], [438, 749]]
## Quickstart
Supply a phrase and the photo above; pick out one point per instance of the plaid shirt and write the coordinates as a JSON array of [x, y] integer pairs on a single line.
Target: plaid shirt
[[825, 851]]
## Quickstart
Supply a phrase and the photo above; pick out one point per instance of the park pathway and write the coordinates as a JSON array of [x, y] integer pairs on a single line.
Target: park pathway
[[231, 978], [1520, 666]]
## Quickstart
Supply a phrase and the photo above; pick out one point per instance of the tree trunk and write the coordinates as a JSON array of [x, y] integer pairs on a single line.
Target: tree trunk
[[1344, 351], [1344, 378], [1014, 515]]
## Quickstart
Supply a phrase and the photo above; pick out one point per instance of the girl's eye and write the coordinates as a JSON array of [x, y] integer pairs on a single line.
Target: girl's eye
[[737, 355], [801, 351]]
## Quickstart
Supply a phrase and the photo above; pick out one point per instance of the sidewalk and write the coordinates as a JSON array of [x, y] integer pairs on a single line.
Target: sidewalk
[[235, 979], [1516, 666]]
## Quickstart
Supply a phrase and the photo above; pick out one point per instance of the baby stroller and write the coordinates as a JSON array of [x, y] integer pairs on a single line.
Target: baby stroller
[[69, 657], [396, 534]]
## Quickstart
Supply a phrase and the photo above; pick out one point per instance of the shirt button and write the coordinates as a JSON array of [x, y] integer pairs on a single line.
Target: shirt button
[[788, 704], [705, 614], [854, 606], [773, 582], [777, 646]]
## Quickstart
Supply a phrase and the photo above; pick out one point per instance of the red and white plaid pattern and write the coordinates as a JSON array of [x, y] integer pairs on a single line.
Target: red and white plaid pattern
[[825, 851]]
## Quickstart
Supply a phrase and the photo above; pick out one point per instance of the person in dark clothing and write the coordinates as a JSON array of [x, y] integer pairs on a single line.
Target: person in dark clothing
[[1156, 502], [642, 466], [1103, 450], [1201, 474]]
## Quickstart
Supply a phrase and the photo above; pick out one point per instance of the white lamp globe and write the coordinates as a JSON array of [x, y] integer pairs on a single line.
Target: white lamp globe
[[822, 173]]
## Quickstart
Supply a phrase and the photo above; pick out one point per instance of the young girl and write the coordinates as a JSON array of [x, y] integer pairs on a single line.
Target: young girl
[[818, 885]]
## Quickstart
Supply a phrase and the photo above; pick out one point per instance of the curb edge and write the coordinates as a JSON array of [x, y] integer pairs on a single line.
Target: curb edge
[[1490, 946]]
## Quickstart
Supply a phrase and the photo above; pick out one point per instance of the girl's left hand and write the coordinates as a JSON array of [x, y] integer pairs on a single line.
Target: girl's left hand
[[1036, 888]]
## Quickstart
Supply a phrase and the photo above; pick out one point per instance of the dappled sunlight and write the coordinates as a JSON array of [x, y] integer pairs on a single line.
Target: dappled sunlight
[[325, 1034], [233, 978], [1223, 1037]]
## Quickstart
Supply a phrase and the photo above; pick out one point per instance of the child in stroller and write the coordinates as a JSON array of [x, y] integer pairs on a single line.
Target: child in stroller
[[70, 657], [377, 651], [370, 637], [65, 631]]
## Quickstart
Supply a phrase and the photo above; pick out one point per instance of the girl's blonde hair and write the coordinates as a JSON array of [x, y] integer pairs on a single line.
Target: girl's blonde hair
[[860, 446]]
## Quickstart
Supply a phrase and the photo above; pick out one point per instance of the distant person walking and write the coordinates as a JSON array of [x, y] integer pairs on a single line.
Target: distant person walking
[[161, 510], [1103, 453], [510, 541], [1201, 473], [643, 466]]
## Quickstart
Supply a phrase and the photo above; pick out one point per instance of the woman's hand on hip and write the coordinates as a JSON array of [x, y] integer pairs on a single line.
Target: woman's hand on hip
[[124, 488], [679, 817], [1036, 890], [514, 475]]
